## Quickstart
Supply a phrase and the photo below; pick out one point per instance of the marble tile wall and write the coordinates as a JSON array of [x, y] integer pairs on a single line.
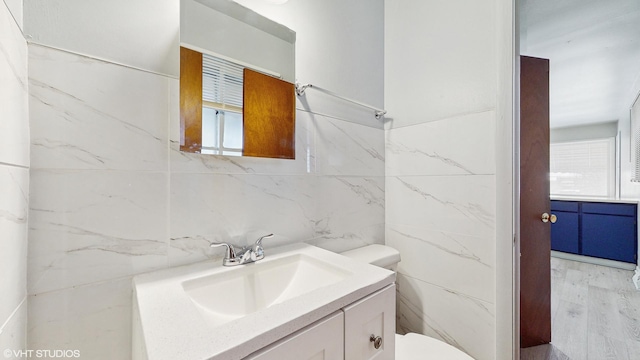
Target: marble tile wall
[[440, 215], [442, 167], [14, 179], [112, 197]]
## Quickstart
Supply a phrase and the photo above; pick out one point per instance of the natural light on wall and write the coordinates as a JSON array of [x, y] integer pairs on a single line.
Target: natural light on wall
[[583, 168]]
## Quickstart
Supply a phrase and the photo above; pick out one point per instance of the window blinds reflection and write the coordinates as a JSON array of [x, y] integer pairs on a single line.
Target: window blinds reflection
[[221, 83]]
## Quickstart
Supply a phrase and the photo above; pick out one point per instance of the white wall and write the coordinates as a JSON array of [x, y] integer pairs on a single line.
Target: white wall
[[448, 89], [14, 179], [264, 47], [628, 189], [584, 132], [113, 197], [140, 33], [339, 47]]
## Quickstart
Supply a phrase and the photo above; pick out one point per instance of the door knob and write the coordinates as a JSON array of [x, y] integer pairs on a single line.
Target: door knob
[[546, 218], [376, 340]]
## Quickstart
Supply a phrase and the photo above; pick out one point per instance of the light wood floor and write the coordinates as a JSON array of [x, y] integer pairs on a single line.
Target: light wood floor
[[595, 314]]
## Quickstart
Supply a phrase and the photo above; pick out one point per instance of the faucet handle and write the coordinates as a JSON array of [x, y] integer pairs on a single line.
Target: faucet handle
[[257, 252], [259, 241], [231, 252]]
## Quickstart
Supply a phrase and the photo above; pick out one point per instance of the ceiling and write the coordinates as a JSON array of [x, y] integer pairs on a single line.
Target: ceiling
[[594, 52]]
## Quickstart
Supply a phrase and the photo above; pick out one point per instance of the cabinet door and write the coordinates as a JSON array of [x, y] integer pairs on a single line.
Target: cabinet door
[[564, 233], [323, 340], [609, 236], [374, 315]]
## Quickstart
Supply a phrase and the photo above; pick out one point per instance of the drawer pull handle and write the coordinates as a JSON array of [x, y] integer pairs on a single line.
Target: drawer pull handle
[[376, 340]]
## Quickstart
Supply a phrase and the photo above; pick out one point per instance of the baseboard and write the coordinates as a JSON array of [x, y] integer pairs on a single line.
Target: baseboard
[[636, 278], [596, 261]]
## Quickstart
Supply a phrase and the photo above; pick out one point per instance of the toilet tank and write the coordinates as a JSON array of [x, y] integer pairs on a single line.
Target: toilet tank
[[379, 255]]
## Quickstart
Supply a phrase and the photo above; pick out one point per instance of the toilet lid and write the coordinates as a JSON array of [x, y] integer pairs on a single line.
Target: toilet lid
[[415, 346]]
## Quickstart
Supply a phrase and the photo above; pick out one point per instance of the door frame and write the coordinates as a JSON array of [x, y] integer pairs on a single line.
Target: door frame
[[516, 181], [507, 220], [515, 256]]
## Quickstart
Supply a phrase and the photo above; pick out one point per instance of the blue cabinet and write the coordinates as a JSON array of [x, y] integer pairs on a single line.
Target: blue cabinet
[[564, 233], [603, 230]]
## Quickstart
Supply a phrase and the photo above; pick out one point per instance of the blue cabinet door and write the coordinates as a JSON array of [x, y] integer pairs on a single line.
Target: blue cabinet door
[[564, 233], [609, 236]]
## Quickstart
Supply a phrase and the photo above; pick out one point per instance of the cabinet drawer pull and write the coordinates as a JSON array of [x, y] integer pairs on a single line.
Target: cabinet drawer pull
[[376, 340]]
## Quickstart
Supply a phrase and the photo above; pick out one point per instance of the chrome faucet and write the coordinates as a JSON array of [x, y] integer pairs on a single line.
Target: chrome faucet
[[245, 255]]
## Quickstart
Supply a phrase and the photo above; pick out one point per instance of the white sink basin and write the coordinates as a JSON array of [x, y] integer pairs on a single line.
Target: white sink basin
[[209, 311], [249, 288]]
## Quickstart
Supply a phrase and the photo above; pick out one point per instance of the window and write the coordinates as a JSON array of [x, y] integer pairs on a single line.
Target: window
[[635, 139], [222, 131], [583, 168]]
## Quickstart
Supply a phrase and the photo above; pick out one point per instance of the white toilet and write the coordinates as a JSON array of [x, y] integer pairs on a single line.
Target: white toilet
[[409, 346]]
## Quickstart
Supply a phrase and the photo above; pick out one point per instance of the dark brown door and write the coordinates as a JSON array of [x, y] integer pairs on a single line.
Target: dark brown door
[[535, 235]]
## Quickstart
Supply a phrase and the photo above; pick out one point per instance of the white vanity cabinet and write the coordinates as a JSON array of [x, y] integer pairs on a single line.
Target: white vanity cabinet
[[349, 334], [322, 340], [369, 320]]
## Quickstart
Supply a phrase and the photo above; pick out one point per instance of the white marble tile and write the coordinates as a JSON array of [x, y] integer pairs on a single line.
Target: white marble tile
[[322, 104], [89, 226], [93, 319], [350, 212], [14, 208], [305, 161], [455, 204], [90, 114], [462, 321], [460, 263], [450, 69], [345, 148], [13, 335], [237, 209], [14, 115], [461, 145], [139, 33], [15, 7]]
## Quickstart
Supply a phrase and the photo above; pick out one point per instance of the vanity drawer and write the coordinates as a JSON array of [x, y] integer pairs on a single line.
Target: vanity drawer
[[609, 209], [561, 205], [374, 315], [322, 340]]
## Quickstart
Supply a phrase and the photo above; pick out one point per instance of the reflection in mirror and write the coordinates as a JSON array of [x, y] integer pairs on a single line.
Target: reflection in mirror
[[222, 83], [222, 110]]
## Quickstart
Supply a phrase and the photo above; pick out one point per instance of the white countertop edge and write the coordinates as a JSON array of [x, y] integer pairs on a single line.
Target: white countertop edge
[[170, 335], [601, 200]]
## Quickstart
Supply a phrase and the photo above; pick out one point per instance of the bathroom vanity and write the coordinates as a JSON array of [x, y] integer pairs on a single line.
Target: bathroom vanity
[[300, 302]]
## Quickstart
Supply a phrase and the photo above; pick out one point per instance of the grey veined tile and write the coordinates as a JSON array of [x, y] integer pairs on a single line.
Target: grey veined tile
[[91, 114], [89, 226]]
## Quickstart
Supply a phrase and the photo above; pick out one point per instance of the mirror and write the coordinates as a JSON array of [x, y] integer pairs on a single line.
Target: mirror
[[237, 70]]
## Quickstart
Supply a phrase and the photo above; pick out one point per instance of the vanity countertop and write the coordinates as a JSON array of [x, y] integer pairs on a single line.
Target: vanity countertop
[[602, 200], [173, 328]]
